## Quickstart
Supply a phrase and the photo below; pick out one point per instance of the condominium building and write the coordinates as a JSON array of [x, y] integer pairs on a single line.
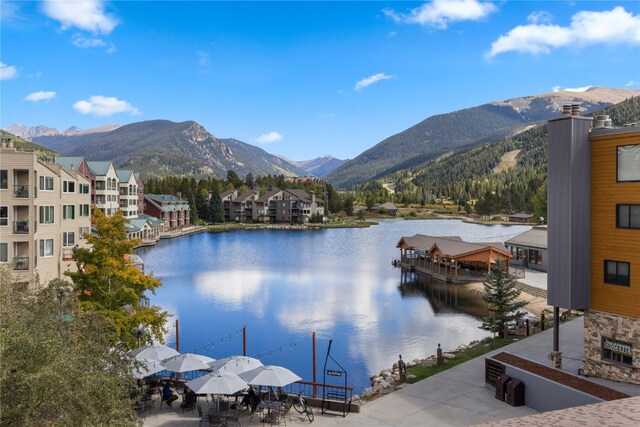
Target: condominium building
[[594, 238], [44, 215], [172, 210], [128, 186], [275, 206]]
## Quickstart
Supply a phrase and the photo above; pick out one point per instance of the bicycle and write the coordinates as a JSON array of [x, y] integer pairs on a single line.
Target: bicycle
[[300, 405]]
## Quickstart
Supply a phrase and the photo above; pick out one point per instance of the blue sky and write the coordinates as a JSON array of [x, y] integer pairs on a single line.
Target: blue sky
[[301, 79]]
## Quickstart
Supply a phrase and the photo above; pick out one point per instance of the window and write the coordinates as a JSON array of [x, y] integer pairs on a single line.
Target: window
[[68, 238], [83, 231], [46, 214], [4, 179], [4, 252], [616, 273], [84, 188], [100, 199], [68, 186], [628, 216], [68, 212], [100, 185], [4, 215], [617, 351], [46, 183], [535, 257], [46, 248], [83, 210], [629, 163]]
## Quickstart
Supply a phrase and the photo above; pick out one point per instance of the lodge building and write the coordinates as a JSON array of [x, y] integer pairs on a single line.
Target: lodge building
[[594, 238]]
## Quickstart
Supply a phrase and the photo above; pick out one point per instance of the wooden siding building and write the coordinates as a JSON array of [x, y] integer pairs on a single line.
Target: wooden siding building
[[449, 258]]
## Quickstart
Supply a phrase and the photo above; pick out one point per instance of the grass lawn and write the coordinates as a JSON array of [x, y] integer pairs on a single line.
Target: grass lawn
[[479, 349]]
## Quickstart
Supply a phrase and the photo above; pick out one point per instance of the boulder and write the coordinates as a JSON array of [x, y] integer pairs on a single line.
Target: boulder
[[416, 361], [411, 377], [395, 366], [369, 392], [449, 356], [429, 363]]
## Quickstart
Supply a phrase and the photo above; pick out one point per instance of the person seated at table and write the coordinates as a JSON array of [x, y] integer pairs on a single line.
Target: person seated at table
[[251, 399], [189, 398], [168, 396]]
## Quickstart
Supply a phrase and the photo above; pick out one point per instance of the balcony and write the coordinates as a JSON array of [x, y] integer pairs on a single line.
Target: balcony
[[20, 227], [21, 262], [21, 191], [68, 254]]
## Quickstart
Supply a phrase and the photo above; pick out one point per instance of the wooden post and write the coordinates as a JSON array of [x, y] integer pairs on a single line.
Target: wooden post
[[313, 339], [178, 342], [244, 340], [526, 322]]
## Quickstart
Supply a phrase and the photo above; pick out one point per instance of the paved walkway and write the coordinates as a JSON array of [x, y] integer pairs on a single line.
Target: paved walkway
[[537, 279], [455, 397]]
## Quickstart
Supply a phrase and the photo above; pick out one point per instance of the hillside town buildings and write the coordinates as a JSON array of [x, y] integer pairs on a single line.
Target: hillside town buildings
[[594, 239], [45, 210]]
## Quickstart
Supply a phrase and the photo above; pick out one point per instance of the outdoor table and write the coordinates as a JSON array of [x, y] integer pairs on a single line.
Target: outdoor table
[[265, 404]]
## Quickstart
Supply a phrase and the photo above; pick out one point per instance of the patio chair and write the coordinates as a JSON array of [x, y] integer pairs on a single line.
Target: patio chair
[[203, 418], [216, 421], [232, 417]]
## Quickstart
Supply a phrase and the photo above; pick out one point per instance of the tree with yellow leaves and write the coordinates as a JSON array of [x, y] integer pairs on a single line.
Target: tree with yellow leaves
[[108, 283]]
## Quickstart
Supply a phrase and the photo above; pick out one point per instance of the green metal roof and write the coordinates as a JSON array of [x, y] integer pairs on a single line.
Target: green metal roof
[[99, 168], [69, 162], [124, 175]]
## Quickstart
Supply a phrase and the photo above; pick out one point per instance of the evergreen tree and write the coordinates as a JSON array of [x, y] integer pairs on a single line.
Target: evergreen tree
[[500, 294], [215, 211], [193, 209], [540, 204], [348, 205]]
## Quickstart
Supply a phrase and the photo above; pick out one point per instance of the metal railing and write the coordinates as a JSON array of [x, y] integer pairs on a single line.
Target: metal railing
[[21, 191], [21, 227], [315, 390], [21, 262]]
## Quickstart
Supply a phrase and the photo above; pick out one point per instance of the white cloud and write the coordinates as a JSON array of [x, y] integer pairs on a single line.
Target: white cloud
[[540, 17], [90, 42], [631, 83], [40, 96], [368, 81], [8, 11], [439, 13], [571, 89], [88, 15], [615, 26], [35, 75], [99, 105], [7, 71], [269, 138]]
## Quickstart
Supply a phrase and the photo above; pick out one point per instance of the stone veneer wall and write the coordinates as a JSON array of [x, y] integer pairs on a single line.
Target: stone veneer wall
[[598, 324]]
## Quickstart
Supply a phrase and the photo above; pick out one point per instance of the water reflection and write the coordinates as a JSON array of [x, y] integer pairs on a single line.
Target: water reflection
[[284, 285], [443, 297]]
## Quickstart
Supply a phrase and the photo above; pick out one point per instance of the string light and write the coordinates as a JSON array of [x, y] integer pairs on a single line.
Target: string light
[[270, 351], [219, 340]]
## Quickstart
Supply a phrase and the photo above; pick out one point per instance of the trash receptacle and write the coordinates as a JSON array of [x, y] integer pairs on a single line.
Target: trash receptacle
[[515, 392], [501, 388]]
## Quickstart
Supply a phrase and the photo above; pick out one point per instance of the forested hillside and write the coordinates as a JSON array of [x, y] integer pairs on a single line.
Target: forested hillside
[[471, 173]]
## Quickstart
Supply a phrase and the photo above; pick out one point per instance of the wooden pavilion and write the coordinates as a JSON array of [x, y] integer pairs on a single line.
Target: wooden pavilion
[[450, 258]]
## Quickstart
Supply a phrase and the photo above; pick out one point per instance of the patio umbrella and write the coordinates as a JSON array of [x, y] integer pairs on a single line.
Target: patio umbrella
[[154, 352], [235, 364], [273, 376], [146, 367], [205, 359], [217, 383], [185, 362]]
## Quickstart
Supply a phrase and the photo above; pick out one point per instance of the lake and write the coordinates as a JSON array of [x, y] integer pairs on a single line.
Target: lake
[[285, 284]]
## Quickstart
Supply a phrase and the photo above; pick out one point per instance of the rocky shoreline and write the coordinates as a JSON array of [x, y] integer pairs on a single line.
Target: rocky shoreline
[[389, 380]]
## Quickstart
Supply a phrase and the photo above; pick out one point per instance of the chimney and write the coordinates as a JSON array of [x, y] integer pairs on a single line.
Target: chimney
[[575, 109], [566, 110], [608, 122], [599, 122]]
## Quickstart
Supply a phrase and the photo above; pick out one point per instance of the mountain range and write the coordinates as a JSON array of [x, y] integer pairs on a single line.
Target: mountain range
[[465, 128], [162, 147]]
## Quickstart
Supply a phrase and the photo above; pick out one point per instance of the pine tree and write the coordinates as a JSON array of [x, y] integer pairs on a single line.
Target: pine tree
[[215, 211], [500, 294]]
